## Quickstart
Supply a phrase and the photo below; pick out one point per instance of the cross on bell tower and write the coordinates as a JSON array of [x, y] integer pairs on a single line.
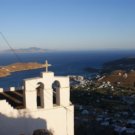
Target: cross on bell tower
[[46, 65]]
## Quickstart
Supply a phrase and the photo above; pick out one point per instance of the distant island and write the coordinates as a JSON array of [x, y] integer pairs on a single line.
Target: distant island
[[7, 70], [25, 50]]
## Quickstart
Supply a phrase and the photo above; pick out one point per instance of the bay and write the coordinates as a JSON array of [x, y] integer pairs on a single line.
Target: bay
[[63, 63]]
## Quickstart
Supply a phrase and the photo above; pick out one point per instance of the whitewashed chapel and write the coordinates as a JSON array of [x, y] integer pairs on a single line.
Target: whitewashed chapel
[[44, 103]]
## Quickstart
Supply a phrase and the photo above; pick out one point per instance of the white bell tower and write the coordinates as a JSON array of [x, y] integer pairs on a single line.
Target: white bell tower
[[46, 94]]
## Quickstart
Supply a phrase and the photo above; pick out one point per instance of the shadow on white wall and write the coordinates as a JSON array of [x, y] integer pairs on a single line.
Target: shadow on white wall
[[21, 125]]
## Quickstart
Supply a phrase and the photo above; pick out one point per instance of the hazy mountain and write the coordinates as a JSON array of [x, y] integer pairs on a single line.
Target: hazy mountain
[[26, 50]]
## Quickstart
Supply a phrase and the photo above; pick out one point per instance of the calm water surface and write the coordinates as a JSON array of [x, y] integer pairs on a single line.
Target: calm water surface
[[64, 63]]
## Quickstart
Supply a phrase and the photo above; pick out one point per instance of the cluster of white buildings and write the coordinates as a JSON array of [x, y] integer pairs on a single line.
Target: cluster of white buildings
[[79, 81]]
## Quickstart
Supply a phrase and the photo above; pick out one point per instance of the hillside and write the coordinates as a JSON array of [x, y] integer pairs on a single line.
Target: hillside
[[121, 78], [121, 64]]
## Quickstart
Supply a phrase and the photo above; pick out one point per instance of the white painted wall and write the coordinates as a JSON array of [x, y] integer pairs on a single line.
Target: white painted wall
[[58, 118], [16, 122]]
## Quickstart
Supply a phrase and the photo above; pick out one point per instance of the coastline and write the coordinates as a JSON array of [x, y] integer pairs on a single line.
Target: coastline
[[9, 69]]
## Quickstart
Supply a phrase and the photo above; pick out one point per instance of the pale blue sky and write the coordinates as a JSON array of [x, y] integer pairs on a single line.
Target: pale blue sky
[[68, 24]]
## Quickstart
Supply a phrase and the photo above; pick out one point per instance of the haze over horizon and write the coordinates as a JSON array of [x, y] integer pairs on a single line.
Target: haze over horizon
[[68, 24]]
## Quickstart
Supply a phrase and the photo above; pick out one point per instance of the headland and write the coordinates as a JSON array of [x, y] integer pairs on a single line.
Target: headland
[[7, 70]]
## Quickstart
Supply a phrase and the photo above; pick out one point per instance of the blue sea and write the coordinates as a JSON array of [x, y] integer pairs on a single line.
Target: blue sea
[[63, 63]]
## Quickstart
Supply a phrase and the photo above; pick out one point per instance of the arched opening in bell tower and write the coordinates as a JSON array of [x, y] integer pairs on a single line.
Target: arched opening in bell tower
[[40, 89], [55, 87]]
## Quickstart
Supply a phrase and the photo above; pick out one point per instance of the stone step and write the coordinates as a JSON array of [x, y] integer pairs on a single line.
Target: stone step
[[11, 98]]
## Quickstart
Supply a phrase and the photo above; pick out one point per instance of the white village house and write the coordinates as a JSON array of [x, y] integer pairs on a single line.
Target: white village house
[[44, 103]]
